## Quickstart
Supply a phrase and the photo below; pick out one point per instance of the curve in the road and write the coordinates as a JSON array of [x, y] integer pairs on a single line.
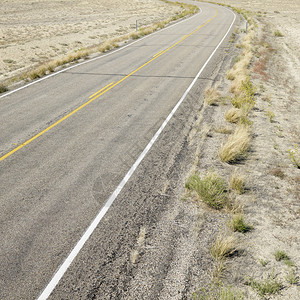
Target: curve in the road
[[104, 90], [63, 268]]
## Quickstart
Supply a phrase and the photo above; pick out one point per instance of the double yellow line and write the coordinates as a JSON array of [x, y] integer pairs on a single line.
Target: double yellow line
[[103, 91]]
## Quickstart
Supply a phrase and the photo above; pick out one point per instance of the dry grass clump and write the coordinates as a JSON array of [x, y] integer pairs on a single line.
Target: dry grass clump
[[233, 115], [248, 39], [237, 183], [291, 278], [212, 96], [245, 96], [134, 256], [223, 247], [238, 224], [239, 71], [50, 66], [236, 145], [223, 130], [211, 189], [140, 242]]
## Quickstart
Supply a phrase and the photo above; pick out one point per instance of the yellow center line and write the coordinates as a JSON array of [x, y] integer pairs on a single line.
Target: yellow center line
[[102, 91], [157, 53]]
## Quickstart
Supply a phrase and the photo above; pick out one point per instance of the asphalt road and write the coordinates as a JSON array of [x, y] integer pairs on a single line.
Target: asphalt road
[[53, 187]]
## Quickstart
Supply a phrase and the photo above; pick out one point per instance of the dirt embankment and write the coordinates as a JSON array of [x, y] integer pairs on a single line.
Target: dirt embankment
[[264, 260], [32, 32]]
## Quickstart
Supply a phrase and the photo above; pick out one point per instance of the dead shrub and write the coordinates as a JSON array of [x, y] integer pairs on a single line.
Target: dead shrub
[[223, 247], [212, 96], [237, 183], [236, 145], [233, 115]]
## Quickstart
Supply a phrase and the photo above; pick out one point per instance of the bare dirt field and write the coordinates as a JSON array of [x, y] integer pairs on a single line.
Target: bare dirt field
[[35, 31]]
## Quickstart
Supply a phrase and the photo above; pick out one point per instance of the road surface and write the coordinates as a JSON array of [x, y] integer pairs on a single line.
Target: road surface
[[69, 140]]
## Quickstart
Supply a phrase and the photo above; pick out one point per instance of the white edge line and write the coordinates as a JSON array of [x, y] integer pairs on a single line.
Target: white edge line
[[96, 58], [63, 268]]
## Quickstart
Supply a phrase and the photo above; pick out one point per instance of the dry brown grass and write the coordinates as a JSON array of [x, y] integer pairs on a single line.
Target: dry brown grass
[[236, 145], [212, 96], [237, 182], [239, 71], [233, 115], [223, 129], [223, 247]]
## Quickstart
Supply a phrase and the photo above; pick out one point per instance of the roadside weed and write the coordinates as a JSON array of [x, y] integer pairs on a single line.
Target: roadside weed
[[223, 247], [212, 96], [280, 255], [245, 95], [291, 278], [237, 183], [270, 115], [267, 286], [238, 224], [233, 115], [211, 189], [218, 293], [277, 33], [236, 145], [263, 262], [294, 155]]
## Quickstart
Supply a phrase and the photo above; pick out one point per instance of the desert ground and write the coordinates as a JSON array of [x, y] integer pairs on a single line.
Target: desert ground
[[33, 32], [271, 201]]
